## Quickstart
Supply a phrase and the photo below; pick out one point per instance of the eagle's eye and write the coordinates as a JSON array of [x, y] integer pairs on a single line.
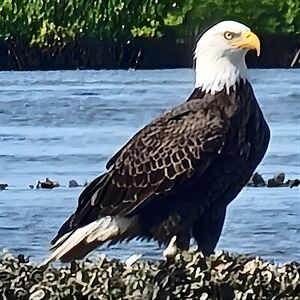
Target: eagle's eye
[[228, 35]]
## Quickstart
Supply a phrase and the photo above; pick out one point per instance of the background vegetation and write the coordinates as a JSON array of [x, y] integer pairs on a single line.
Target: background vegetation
[[48, 22]]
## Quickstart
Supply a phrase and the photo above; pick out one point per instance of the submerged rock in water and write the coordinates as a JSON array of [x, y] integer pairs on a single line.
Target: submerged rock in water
[[189, 276], [277, 180], [3, 186], [47, 184], [256, 180], [293, 183], [279, 177], [73, 183]]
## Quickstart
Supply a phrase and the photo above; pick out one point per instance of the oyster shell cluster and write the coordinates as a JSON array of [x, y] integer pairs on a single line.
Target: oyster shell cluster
[[190, 276]]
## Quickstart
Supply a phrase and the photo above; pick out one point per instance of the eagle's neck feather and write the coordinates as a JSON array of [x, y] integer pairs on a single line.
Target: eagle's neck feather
[[215, 73]]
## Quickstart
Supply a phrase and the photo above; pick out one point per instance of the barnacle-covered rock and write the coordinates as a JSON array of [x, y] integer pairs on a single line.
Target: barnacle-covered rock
[[256, 180], [189, 276], [293, 183], [47, 184], [73, 183], [3, 186], [277, 180]]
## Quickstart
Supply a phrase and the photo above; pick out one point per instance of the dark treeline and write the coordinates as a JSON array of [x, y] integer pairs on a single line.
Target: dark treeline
[[148, 53], [69, 34]]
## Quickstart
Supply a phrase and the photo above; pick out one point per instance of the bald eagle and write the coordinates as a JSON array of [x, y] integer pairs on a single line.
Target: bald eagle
[[176, 176]]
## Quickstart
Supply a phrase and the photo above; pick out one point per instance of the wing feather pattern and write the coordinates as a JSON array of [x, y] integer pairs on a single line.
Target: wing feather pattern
[[158, 159]]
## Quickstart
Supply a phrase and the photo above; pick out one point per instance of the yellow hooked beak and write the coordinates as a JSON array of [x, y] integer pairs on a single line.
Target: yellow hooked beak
[[248, 40]]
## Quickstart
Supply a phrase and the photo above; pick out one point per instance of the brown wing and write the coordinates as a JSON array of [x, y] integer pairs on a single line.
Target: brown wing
[[162, 155], [157, 159]]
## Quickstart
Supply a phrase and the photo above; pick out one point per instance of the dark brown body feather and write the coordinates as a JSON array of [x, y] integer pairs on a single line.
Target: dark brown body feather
[[179, 173]]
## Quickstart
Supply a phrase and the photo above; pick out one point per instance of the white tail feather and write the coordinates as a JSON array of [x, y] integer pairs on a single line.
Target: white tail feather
[[61, 240], [100, 231]]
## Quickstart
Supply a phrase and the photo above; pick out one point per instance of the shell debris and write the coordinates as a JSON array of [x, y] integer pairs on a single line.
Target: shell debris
[[189, 276]]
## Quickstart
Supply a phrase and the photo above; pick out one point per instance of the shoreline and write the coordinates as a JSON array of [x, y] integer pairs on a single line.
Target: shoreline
[[278, 51]]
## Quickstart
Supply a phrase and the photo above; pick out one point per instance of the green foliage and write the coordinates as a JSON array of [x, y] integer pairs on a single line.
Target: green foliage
[[266, 16], [48, 22]]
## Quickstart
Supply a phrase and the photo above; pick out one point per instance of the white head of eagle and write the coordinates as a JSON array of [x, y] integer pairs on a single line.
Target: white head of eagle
[[220, 56], [172, 181]]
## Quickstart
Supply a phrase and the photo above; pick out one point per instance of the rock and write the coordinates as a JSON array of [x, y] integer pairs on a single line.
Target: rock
[[279, 177], [48, 184], [256, 180], [3, 186], [277, 180], [273, 183], [73, 183], [293, 182], [31, 186], [21, 259]]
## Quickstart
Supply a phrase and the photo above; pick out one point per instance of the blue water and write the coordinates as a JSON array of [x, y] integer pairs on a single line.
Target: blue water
[[66, 124]]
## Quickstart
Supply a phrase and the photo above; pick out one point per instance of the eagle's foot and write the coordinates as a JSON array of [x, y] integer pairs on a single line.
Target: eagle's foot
[[171, 251]]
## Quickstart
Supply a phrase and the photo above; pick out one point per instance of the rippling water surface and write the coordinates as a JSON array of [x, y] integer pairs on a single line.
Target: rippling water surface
[[66, 125]]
